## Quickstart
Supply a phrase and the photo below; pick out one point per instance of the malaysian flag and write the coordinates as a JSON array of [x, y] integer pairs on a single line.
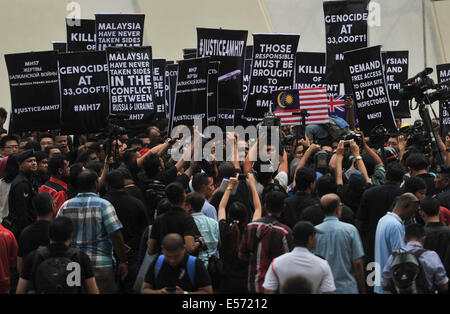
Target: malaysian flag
[[285, 105], [315, 101]]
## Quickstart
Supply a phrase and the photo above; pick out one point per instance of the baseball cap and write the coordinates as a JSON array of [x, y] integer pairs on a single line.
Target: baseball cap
[[355, 178], [25, 155]]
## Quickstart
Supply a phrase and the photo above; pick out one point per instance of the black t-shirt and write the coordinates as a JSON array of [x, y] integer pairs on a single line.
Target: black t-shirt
[[175, 220], [57, 249], [132, 215], [32, 237], [169, 276]]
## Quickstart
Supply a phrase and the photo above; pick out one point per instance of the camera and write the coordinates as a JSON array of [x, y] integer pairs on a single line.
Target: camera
[[321, 160], [416, 87]]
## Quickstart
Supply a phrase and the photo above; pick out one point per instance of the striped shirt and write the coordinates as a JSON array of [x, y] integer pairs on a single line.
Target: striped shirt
[[263, 249], [94, 219]]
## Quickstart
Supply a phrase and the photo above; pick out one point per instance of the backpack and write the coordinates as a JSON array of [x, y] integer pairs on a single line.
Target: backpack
[[190, 267], [407, 273], [51, 272]]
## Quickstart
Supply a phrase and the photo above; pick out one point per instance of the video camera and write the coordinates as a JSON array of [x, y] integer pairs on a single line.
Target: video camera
[[416, 87], [418, 137]]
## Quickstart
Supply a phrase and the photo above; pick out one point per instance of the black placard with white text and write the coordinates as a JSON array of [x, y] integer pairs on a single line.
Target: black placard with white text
[[213, 100], [131, 85], [227, 47], [172, 79], [310, 71], [273, 68], [80, 35], [33, 80], [396, 71], [191, 94], [365, 68], [84, 91], [443, 75], [119, 30], [159, 81], [345, 29]]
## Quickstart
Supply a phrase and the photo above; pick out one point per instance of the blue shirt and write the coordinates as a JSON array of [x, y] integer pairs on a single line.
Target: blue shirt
[[94, 219], [209, 229], [340, 245], [209, 210], [433, 269], [388, 237]]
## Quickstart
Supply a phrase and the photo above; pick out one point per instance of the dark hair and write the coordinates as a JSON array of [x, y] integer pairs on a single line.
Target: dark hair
[[162, 124], [96, 147], [238, 218], [134, 141], [296, 285], [326, 184], [196, 200], [430, 206], [55, 163], [87, 180], [60, 229], [115, 180], [8, 138], [128, 157], [174, 192], [32, 145], [163, 206], [156, 141], [125, 173], [75, 170], [226, 170], [395, 172], [84, 156], [43, 204], [274, 201], [46, 135], [417, 161], [413, 184], [303, 178], [414, 231], [369, 163], [11, 169], [48, 148], [151, 165], [3, 113], [95, 166], [199, 180]]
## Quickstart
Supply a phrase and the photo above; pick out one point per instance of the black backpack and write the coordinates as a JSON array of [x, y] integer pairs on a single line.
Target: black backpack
[[51, 273], [407, 273]]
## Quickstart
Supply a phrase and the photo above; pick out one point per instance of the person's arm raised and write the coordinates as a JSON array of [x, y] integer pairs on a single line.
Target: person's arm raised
[[224, 201], [256, 201]]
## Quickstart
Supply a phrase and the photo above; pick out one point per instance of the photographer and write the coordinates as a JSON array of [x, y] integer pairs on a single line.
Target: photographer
[[357, 177]]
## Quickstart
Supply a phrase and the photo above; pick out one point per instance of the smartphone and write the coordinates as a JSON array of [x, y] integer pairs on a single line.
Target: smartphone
[[171, 289]]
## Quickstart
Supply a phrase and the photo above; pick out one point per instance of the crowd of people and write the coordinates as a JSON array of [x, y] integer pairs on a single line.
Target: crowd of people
[[332, 217]]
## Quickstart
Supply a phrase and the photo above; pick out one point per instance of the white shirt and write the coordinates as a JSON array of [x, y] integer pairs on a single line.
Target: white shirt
[[300, 262]]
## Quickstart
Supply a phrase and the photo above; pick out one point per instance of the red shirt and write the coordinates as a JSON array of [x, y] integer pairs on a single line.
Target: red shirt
[[57, 189], [445, 216], [8, 257]]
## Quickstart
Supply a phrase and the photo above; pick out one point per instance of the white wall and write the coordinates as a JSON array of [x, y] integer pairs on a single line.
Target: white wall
[[31, 25]]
